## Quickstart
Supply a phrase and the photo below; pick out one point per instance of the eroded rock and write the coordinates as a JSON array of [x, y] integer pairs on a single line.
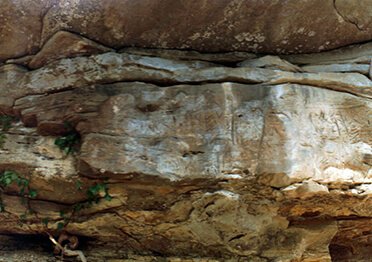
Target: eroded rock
[[358, 68], [113, 67], [350, 54], [200, 157], [224, 25], [272, 62], [65, 44]]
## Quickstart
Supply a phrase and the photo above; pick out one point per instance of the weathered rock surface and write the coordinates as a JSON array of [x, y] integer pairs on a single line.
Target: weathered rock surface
[[65, 44], [353, 68], [225, 25], [195, 120], [272, 62], [350, 54], [202, 157], [114, 67]]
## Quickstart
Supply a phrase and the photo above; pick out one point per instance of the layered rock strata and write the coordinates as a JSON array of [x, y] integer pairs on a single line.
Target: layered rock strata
[[229, 156]]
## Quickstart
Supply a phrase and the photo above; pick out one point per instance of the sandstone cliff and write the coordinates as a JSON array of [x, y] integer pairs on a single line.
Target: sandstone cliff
[[219, 152]]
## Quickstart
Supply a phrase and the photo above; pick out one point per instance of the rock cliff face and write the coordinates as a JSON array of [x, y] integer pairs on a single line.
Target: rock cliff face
[[227, 155]]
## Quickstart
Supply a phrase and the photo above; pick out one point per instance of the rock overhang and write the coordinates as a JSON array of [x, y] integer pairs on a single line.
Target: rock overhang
[[276, 27]]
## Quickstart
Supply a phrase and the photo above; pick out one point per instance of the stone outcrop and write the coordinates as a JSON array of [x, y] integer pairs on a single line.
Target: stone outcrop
[[263, 26], [209, 131], [225, 156]]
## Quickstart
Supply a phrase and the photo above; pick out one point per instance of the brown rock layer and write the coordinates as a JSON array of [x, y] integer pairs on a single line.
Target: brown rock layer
[[276, 27], [231, 156]]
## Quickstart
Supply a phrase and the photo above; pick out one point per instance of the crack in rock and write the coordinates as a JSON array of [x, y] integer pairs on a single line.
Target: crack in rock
[[345, 18]]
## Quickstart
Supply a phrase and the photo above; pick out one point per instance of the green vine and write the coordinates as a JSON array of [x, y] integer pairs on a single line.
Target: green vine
[[94, 193], [9, 178], [68, 143]]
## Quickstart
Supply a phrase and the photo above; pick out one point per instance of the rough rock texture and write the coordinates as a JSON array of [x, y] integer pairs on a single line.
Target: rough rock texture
[[65, 44], [264, 26], [217, 153], [224, 157]]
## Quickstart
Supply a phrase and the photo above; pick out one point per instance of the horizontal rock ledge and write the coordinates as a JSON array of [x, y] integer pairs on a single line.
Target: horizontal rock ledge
[[113, 67]]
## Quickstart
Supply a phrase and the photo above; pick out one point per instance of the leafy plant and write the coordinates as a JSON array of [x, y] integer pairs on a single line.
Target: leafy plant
[[79, 185], [8, 178], [94, 193], [5, 124], [60, 226], [68, 143], [45, 221]]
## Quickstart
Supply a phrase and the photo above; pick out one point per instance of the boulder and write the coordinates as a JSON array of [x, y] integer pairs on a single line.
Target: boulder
[[224, 25]]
